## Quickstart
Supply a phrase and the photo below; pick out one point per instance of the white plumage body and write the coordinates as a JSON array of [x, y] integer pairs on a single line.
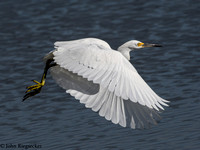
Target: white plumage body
[[105, 81]]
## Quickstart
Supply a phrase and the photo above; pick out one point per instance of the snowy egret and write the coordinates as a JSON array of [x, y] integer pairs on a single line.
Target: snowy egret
[[104, 80]]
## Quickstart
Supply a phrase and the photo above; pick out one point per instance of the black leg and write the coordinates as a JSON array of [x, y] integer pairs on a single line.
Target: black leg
[[35, 89]]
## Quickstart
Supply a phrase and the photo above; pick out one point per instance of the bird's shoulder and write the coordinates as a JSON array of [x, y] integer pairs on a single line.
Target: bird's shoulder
[[86, 42], [90, 50]]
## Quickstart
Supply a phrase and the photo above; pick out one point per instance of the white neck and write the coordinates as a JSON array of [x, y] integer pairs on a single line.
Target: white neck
[[125, 51]]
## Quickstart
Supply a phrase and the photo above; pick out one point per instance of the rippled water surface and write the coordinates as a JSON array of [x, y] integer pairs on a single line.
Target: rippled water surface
[[55, 120]]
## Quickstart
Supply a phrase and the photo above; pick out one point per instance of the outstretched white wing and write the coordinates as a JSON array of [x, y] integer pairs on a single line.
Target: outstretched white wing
[[123, 94]]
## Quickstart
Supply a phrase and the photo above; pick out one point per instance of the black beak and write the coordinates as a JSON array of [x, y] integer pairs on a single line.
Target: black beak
[[151, 45]]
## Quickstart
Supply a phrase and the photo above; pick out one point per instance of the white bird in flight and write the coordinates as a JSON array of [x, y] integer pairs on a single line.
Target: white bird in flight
[[104, 80]]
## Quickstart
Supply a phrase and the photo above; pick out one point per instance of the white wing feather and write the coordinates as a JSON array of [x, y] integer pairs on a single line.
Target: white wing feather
[[121, 87], [119, 111]]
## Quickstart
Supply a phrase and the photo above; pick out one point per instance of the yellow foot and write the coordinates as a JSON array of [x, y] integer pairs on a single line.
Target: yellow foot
[[34, 87]]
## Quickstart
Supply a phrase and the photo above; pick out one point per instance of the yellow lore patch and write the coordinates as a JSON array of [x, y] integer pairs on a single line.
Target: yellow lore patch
[[140, 44]]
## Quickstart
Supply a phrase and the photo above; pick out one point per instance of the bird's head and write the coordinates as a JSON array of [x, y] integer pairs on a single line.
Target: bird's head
[[134, 44]]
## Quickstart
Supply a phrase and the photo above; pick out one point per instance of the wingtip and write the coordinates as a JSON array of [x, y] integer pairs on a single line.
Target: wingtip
[[166, 101]]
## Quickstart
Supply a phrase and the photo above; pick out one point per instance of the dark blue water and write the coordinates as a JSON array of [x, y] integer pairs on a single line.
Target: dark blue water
[[53, 119]]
